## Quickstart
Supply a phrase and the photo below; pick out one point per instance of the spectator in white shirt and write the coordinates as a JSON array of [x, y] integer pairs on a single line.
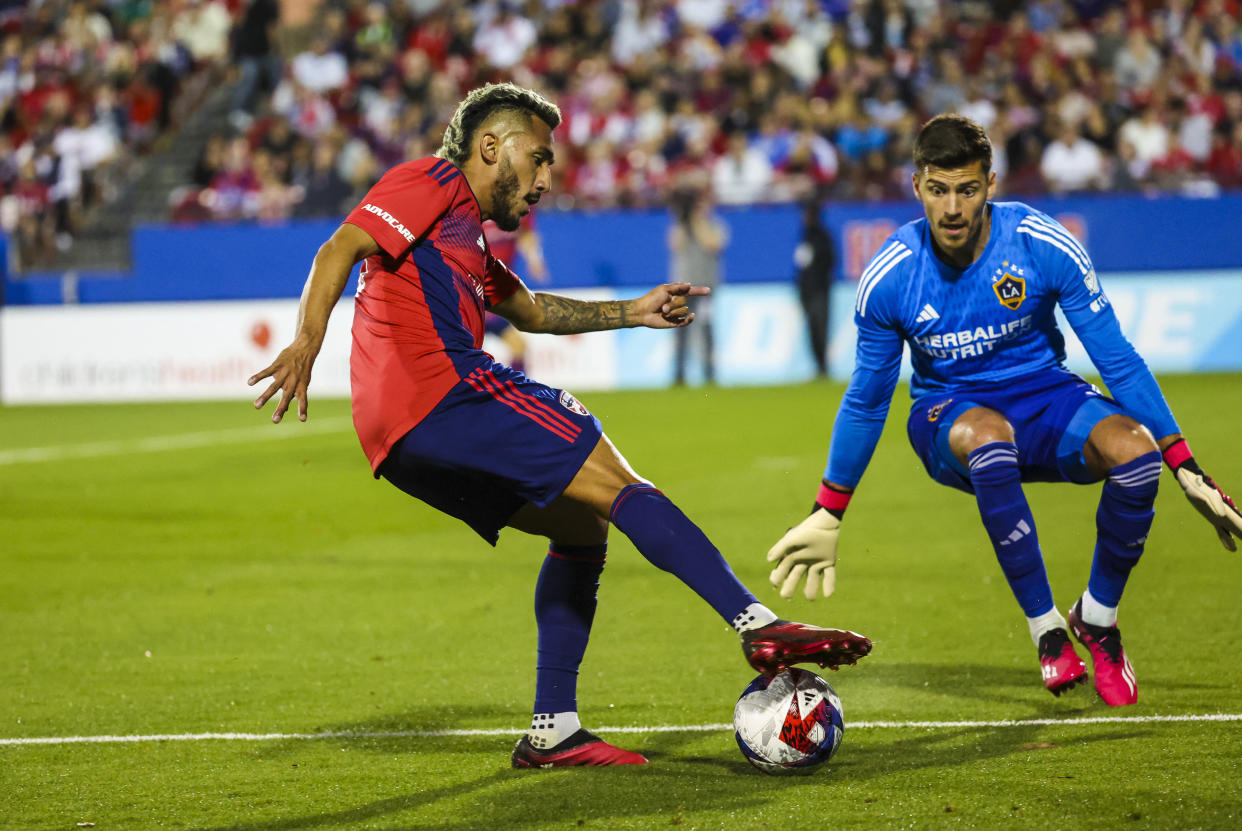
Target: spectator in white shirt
[[1138, 63], [640, 30], [203, 27], [743, 175], [319, 69], [1072, 163], [1148, 135], [504, 39]]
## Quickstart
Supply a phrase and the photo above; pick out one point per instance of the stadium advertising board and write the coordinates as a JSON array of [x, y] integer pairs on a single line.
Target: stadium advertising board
[[154, 351], [1179, 322]]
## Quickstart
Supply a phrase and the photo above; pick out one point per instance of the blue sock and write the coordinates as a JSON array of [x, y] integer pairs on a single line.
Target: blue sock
[[564, 610], [666, 537], [1127, 507], [1008, 521]]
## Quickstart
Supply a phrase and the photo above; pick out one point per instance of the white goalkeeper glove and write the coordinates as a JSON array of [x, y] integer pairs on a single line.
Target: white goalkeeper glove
[[808, 550], [1207, 497]]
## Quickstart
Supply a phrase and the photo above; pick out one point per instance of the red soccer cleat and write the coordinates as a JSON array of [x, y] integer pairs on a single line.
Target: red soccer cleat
[[1114, 677], [1063, 669], [582, 748], [782, 644]]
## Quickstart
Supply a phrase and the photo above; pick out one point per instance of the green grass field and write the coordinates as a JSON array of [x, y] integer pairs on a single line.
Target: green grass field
[[171, 570]]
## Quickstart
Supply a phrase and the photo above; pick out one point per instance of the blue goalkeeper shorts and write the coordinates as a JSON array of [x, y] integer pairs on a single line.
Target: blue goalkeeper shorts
[[497, 441], [1052, 413]]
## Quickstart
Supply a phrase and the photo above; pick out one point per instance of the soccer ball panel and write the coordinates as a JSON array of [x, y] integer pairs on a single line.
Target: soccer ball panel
[[788, 724]]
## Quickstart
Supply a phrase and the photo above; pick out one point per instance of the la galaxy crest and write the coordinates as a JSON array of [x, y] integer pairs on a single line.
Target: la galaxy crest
[[1010, 288]]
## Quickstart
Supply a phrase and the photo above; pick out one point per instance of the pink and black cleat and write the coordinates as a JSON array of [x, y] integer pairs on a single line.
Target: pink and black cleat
[[781, 644], [1114, 677], [581, 749], [1063, 669]]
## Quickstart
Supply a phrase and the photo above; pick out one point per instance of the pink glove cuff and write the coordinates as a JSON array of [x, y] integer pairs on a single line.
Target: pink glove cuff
[[1177, 454], [832, 500]]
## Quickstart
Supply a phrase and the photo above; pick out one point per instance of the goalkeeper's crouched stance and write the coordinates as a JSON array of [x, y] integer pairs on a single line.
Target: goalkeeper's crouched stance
[[971, 290], [807, 554]]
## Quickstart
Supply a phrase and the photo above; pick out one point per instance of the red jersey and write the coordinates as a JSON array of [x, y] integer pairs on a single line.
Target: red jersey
[[504, 244], [418, 314]]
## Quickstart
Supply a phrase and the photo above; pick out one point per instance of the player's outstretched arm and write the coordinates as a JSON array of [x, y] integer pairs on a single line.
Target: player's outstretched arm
[[291, 371], [1207, 497], [664, 307], [809, 549]]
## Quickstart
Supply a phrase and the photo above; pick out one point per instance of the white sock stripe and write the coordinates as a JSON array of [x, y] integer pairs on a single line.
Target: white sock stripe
[[1139, 476], [1135, 482], [1134, 475], [996, 456]]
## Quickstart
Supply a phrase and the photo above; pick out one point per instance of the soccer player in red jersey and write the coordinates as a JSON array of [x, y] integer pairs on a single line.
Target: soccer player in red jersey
[[507, 246], [438, 418]]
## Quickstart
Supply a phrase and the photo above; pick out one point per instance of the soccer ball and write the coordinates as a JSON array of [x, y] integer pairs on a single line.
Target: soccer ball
[[788, 724]]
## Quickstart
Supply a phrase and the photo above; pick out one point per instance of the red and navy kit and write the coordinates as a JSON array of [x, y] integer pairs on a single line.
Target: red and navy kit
[[504, 247], [435, 414], [418, 314], [504, 244]]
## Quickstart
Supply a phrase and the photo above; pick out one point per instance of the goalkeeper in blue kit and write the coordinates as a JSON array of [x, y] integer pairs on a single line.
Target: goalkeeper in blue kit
[[972, 288]]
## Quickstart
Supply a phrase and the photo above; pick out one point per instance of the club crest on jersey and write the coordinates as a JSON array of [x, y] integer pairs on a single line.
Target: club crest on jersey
[[933, 415], [1010, 290], [572, 404]]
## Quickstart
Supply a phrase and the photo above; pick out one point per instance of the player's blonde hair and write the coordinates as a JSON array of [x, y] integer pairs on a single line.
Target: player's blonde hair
[[481, 104]]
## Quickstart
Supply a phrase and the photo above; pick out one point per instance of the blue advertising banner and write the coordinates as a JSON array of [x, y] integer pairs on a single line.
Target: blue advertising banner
[[615, 249]]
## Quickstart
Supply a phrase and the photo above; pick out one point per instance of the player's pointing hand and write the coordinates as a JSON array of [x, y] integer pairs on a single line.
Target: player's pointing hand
[[664, 307]]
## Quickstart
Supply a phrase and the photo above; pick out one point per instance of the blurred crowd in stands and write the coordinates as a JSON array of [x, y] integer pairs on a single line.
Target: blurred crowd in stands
[[758, 100]]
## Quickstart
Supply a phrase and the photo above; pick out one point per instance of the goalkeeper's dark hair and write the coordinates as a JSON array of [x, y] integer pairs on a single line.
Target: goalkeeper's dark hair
[[480, 105], [951, 141]]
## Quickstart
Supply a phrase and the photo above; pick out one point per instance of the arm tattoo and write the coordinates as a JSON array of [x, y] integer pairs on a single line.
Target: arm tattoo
[[567, 316]]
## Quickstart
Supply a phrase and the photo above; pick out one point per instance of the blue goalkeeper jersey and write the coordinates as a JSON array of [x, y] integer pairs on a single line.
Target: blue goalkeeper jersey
[[980, 326]]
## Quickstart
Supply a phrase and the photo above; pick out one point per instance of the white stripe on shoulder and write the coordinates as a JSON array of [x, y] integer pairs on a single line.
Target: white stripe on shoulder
[[1039, 233], [877, 268], [864, 291], [1059, 231], [877, 262]]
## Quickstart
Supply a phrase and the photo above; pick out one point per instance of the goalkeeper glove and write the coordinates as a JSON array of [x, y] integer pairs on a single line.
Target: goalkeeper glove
[[809, 549], [1207, 497]]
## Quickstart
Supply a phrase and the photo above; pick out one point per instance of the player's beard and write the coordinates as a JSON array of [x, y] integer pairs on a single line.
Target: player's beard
[[504, 197]]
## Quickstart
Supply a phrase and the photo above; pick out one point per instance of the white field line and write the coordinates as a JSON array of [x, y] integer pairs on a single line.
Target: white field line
[[661, 728], [178, 441]]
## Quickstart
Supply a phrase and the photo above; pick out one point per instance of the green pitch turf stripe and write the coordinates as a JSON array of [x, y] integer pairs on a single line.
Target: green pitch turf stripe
[[666, 728], [180, 441]]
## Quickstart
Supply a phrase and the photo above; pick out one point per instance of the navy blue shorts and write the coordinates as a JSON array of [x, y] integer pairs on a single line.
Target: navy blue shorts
[[1052, 413], [497, 441]]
